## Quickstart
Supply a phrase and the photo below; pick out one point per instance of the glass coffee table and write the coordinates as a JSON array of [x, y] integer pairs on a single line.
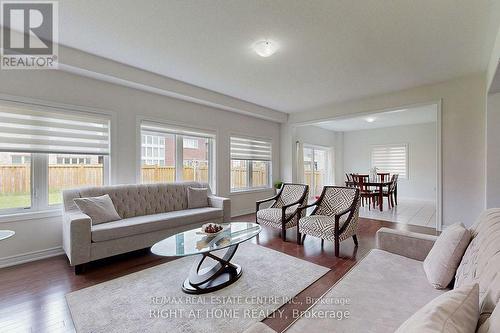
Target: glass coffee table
[[4, 234], [193, 242]]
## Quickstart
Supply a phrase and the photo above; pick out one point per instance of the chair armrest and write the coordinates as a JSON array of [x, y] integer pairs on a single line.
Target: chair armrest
[[220, 202], [406, 243], [77, 237], [266, 200], [259, 202]]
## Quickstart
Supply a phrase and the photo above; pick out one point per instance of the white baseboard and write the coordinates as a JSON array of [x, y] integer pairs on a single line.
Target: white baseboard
[[243, 212], [30, 256]]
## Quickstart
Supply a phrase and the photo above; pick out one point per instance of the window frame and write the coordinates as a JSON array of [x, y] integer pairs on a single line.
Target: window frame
[[249, 178], [39, 185], [179, 132], [39, 163], [407, 158]]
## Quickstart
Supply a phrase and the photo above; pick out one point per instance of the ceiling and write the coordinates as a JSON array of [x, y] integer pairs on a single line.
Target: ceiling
[[330, 51], [413, 116]]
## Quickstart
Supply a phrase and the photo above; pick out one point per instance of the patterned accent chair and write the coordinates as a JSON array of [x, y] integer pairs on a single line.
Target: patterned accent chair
[[334, 218], [282, 213]]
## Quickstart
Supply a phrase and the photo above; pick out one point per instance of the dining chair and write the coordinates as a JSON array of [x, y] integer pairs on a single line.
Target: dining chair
[[334, 218], [390, 192], [366, 193], [383, 176], [282, 212]]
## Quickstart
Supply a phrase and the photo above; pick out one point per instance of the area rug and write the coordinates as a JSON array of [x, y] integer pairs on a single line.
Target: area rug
[[152, 300]]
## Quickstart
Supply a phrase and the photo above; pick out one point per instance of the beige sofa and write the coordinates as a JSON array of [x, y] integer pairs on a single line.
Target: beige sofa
[[149, 212], [389, 284]]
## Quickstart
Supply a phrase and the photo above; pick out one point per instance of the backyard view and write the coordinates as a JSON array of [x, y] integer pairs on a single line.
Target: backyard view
[[64, 172]]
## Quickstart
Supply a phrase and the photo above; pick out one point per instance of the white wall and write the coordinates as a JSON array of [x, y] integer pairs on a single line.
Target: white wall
[[463, 134], [128, 104], [421, 140], [493, 151]]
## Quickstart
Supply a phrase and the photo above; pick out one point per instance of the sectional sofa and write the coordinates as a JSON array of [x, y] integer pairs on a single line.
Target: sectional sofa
[[389, 285]]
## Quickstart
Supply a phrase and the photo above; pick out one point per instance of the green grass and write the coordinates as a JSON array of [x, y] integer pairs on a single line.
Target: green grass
[[22, 200]]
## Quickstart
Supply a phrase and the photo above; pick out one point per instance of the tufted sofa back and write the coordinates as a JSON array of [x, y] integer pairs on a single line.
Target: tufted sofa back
[[481, 261], [137, 199]]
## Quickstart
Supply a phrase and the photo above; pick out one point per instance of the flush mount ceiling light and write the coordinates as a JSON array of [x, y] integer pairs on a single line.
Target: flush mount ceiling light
[[265, 48], [370, 119]]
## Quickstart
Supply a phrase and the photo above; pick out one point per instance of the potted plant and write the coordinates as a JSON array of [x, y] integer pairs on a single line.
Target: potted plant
[[277, 185]]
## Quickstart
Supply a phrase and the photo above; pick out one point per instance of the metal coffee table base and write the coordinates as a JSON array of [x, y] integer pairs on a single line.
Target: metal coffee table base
[[221, 274]]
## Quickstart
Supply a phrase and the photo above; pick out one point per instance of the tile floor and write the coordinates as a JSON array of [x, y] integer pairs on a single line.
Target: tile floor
[[414, 212]]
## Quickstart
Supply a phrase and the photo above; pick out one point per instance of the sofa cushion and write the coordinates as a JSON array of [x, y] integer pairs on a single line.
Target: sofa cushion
[[99, 209], [481, 261], [275, 214], [441, 263], [379, 277], [149, 223], [197, 197], [456, 311], [492, 324]]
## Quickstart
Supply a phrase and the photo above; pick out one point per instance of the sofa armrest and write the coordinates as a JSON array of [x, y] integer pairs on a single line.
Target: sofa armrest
[[220, 202], [77, 237], [408, 244]]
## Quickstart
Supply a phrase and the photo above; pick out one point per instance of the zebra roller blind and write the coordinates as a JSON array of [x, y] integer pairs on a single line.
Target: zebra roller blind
[[250, 149], [391, 158], [34, 129]]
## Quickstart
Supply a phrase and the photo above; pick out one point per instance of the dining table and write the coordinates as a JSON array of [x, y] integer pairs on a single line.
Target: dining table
[[379, 184]]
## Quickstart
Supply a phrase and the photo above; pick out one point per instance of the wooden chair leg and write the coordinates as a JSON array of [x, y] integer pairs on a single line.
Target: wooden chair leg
[[392, 199], [303, 238], [355, 239], [283, 234], [337, 247], [298, 237], [322, 242]]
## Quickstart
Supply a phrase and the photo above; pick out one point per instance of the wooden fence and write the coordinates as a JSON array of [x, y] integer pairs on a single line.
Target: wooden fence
[[158, 174], [16, 178], [319, 181]]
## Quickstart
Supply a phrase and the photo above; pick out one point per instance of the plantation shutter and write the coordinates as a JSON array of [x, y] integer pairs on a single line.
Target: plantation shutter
[[391, 158], [34, 129], [250, 149]]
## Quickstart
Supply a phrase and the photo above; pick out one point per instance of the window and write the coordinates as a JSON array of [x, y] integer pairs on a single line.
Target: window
[[15, 181], [190, 143], [153, 150], [83, 170], [171, 154], [250, 164], [391, 158], [46, 150], [316, 169], [195, 159]]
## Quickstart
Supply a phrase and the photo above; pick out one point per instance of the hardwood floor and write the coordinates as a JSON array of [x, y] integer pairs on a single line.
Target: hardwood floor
[[32, 295]]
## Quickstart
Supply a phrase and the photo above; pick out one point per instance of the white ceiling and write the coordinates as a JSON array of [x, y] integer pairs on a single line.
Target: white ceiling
[[330, 51], [413, 116]]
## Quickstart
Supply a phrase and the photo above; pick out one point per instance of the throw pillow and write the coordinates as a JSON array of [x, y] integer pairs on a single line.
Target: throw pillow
[[100, 209], [443, 259], [197, 197], [454, 311]]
